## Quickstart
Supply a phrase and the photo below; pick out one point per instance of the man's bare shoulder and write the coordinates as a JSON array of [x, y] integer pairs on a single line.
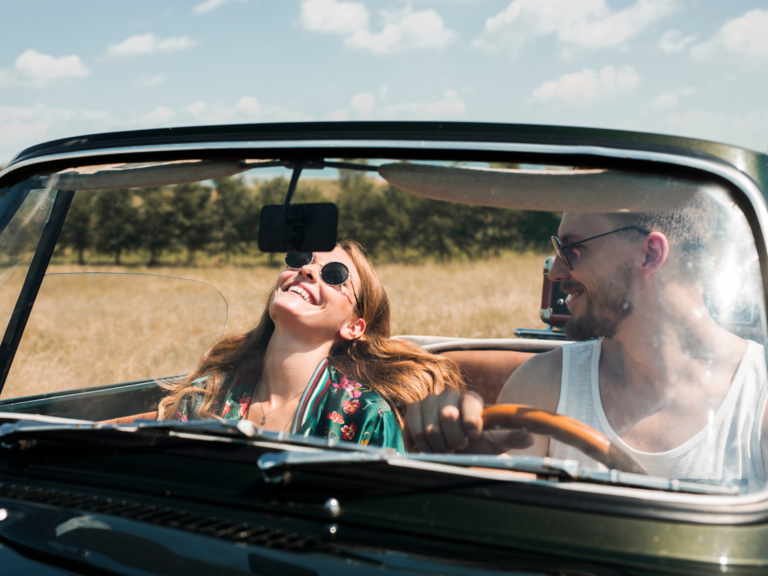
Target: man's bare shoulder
[[536, 382]]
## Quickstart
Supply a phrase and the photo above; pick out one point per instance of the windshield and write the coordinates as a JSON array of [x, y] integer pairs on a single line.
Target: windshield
[[97, 328], [605, 318]]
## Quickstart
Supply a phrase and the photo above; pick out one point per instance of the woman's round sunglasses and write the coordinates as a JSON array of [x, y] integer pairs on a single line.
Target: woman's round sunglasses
[[332, 273]]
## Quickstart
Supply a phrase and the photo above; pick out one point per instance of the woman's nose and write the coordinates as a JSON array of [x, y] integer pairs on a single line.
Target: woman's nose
[[559, 271], [309, 271]]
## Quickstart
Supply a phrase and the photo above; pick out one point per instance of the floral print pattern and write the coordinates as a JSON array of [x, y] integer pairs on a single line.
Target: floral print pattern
[[354, 389], [345, 410], [336, 417], [351, 406], [348, 432]]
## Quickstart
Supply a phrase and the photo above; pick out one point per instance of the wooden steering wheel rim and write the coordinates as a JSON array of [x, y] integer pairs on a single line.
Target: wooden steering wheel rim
[[563, 429]]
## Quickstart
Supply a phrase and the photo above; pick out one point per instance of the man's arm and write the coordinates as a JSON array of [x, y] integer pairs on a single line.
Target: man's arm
[[450, 421], [536, 383]]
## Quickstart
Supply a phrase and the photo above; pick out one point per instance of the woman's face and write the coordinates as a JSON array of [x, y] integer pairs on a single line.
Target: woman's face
[[302, 301]]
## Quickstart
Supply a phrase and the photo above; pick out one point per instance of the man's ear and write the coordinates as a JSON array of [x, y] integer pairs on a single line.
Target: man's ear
[[353, 329], [656, 248]]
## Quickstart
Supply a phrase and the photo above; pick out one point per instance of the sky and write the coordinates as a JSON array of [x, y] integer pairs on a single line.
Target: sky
[[694, 68]]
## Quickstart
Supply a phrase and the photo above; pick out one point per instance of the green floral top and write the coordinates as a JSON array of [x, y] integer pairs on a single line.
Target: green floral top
[[332, 406]]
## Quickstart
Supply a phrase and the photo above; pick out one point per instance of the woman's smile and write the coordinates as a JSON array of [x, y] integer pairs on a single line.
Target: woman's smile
[[302, 293]]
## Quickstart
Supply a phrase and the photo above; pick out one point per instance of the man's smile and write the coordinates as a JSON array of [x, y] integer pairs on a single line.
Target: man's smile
[[574, 295]]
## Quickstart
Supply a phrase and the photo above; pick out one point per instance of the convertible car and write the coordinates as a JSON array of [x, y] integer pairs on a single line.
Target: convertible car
[[91, 482]]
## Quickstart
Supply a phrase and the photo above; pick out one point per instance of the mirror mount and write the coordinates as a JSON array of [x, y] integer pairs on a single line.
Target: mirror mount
[[295, 218], [298, 227]]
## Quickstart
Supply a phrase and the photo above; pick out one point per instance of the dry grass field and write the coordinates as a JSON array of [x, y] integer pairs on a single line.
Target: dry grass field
[[125, 324]]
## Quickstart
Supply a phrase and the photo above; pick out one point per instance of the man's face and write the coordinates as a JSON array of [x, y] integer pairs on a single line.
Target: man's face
[[601, 284]]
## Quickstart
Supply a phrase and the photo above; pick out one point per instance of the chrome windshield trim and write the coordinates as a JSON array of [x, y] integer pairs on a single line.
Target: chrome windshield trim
[[730, 173], [272, 464]]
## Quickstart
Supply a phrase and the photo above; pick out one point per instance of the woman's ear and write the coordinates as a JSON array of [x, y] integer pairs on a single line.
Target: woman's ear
[[353, 329], [656, 247]]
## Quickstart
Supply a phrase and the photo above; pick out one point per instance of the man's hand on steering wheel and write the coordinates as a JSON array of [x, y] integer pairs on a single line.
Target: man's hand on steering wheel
[[451, 422]]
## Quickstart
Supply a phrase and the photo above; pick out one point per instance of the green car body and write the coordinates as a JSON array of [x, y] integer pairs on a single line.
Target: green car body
[[387, 517]]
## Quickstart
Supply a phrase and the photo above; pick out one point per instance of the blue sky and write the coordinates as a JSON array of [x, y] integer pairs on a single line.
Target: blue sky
[[689, 67]]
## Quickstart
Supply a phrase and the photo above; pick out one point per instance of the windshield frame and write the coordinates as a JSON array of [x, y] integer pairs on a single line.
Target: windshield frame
[[745, 191]]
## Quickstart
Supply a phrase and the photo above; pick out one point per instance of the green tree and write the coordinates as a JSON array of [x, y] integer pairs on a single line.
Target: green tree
[[371, 216], [235, 215], [156, 222], [115, 220], [77, 232], [395, 225], [193, 217]]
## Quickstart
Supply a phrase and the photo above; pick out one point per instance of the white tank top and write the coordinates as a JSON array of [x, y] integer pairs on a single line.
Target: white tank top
[[726, 451]]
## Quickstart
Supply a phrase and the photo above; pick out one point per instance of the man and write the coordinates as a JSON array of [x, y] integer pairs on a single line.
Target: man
[[650, 369]]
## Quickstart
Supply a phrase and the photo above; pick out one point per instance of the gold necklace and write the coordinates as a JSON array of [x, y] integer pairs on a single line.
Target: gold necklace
[[264, 415]]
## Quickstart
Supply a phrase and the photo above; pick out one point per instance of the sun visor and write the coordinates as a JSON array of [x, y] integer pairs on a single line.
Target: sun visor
[[545, 190], [135, 175]]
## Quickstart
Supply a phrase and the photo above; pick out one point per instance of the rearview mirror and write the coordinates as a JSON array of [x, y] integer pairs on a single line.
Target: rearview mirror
[[302, 228]]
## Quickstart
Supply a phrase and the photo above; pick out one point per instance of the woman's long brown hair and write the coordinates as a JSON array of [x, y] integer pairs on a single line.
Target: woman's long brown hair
[[400, 371]]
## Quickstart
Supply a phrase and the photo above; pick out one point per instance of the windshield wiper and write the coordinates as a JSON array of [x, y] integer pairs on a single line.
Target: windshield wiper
[[303, 452], [144, 433], [274, 465]]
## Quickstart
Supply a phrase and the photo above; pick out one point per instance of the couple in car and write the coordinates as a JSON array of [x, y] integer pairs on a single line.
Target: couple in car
[[650, 368]]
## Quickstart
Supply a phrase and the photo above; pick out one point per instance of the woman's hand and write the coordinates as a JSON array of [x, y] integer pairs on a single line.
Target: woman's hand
[[451, 422]]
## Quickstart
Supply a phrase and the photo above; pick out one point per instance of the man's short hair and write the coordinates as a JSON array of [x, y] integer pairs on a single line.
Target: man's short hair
[[689, 229]]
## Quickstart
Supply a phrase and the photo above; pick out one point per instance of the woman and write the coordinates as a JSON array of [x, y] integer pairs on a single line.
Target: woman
[[320, 362]]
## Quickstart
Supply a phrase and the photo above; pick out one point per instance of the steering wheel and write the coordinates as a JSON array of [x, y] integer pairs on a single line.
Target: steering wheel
[[563, 429]]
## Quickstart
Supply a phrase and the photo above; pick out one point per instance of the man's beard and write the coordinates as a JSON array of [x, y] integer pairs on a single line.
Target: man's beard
[[606, 307]]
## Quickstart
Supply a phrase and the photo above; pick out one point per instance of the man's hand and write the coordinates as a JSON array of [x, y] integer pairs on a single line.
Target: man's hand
[[451, 422]]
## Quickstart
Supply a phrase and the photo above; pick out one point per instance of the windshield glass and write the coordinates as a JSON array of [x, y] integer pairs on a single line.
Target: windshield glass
[[25, 213], [97, 328], [603, 318]]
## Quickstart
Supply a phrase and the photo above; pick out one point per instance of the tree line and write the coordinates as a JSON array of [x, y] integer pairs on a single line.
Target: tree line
[[222, 218]]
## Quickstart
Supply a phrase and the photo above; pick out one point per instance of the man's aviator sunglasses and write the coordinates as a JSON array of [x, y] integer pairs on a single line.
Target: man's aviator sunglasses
[[564, 251], [332, 273]]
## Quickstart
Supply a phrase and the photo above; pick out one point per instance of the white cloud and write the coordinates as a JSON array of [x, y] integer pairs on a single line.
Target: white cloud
[[209, 5], [741, 37], [587, 87], [148, 44], [419, 30], [403, 29], [23, 126], [26, 126], [152, 80], [247, 109], [576, 24], [364, 106], [33, 68], [338, 115], [197, 109], [332, 16], [674, 41], [249, 105], [749, 129], [160, 115], [669, 100]]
